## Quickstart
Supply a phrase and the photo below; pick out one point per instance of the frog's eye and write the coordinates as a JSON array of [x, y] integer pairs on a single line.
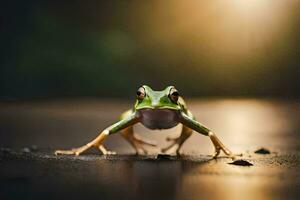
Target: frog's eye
[[140, 93], [174, 95]]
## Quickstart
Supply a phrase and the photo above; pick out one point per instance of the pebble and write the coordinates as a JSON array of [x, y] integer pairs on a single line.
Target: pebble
[[262, 151], [241, 162], [163, 157]]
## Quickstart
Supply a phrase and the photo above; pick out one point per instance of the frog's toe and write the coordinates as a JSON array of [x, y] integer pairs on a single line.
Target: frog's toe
[[63, 152], [233, 156], [216, 153], [230, 155], [104, 151], [67, 152], [141, 151], [178, 153]]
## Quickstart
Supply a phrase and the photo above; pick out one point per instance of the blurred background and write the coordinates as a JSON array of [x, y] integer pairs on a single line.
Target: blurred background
[[109, 48], [69, 68]]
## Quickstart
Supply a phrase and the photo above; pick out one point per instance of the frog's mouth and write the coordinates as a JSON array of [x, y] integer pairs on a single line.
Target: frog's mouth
[[158, 108], [158, 118]]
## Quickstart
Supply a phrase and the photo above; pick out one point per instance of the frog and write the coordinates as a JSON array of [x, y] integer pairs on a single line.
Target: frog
[[163, 109]]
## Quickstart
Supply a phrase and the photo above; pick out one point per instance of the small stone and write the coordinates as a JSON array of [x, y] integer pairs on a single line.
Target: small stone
[[163, 157], [262, 151], [241, 162]]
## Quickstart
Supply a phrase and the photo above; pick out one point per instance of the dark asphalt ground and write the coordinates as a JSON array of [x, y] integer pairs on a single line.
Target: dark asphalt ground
[[243, 125]]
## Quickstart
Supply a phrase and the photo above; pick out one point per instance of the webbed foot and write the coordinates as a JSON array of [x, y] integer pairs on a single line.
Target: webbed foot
[[105, 151], [221, 147], [231, 155], [137, 142]]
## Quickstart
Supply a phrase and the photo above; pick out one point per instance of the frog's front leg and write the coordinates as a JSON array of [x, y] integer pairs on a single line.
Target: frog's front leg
[[97, 142], [189, 121]]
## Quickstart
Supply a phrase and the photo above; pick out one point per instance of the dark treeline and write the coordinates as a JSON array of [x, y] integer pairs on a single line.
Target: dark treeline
[[109, 48]]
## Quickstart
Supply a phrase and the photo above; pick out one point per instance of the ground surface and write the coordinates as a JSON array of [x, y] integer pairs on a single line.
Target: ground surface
[[243, 125]]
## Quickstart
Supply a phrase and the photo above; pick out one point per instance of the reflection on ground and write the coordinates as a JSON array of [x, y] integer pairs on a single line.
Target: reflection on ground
[[243, 124]]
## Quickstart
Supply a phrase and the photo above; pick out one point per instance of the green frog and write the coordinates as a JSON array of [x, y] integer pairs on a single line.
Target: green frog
[[155, 110]]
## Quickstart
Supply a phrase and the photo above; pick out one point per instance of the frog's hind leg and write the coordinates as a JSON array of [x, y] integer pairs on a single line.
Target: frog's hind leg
[[133, 139], [185, 134]]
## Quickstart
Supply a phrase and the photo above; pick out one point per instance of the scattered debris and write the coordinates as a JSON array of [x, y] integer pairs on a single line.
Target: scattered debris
[[241, 162], [262, 151]]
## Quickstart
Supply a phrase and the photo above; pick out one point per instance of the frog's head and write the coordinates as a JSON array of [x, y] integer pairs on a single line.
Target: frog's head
[[165, 99]]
